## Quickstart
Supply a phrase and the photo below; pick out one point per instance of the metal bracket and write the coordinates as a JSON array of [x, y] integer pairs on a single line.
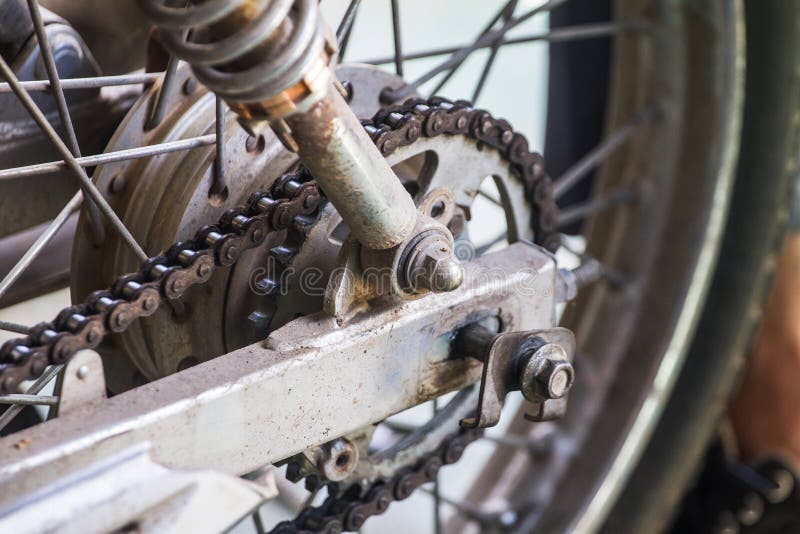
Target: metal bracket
[[81, 382], [501, 375]]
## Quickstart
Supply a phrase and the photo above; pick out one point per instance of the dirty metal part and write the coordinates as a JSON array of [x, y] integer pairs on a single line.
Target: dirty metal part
[[448, 168], [332, 144], [82, 382], [129, 489], [536, 362], [266, 58], [429, 263], [182, 206], [336, 459], [301, 103], [350, 512], [443, 110], [161, 212], [423, 263], [138, 294], [573, 280], [182, 415]]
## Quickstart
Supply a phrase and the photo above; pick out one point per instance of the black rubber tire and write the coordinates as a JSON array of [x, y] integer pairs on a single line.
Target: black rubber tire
[[767, 169]]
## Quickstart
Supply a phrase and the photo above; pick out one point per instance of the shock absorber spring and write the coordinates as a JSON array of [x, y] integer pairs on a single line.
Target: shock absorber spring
[[263, 57]]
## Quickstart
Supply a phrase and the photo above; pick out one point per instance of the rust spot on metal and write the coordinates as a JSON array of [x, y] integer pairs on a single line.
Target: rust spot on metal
[[21, 444]]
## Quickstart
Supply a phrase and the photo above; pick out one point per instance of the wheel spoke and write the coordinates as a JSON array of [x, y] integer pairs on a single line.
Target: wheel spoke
[[87, 185], [437, 496], [35, 388], [220, 173], [508, 12], [24, 399], [398, 41], [111, 157], [490, 198], [617, 197], [599, 154], [486, 29], [40, 243], [460, 507], [257, 522], [458, 57], [556, 35], [167, 86], [346, 26], [14, 327], [95, 224], [52, 75], [94, 82]]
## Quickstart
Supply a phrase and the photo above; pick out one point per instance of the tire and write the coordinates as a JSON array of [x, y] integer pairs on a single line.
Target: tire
[[754, 231]]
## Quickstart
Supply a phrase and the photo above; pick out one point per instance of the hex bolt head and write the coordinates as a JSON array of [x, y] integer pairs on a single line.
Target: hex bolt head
[[433, 266], [556, 377], [546, 373]]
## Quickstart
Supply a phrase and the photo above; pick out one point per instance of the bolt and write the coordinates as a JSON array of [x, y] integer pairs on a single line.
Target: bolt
[[259, 320], [117, 184], [432, 266], [83, 372], [546, 373], [508, 518], [189, 85], [751, 510], [337, 459]]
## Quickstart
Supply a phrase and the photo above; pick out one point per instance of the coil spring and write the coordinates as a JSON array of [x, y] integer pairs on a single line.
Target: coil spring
[[217, 63]]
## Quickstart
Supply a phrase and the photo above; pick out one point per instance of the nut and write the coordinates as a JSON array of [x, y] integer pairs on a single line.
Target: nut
[[546, 373], [337, 459], [432, 265]]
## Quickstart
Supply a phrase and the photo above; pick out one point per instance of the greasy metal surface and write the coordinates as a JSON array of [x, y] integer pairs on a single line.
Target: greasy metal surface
[[501, 373], [183, 415], [266, 58], [353, 173], [161, 211]]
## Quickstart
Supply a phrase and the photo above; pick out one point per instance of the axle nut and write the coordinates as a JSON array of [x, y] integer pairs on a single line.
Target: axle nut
[[432, 265], [546, 373]]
